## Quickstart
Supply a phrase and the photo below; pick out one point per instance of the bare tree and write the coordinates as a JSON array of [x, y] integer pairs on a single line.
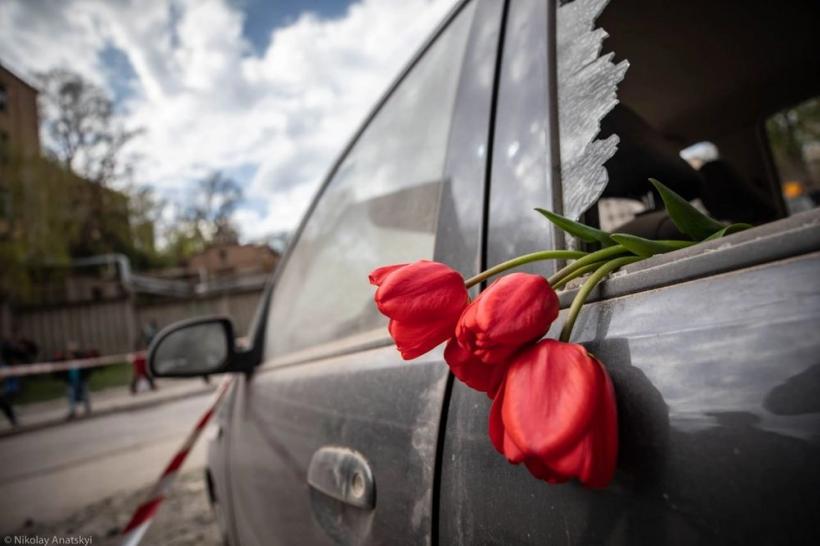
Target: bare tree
[[85, 134], [208, 220], [211, 216], [83, 130]]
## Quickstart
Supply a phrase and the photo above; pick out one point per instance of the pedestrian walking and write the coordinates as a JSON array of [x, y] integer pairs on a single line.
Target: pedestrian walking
[[77, 380], [77, 392], [10, 387], [140, 371], [16, 351]]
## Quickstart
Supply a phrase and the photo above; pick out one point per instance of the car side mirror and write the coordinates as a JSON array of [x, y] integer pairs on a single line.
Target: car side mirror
[[196, 347]]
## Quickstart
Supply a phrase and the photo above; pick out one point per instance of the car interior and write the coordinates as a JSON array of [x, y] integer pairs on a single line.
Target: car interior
[[706, 72]]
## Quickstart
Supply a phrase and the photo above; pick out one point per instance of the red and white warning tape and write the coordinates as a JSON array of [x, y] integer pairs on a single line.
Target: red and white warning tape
[[141, 520], [77, 363], [64, 365]]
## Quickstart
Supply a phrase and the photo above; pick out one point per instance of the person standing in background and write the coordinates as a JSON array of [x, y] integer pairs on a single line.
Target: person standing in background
[[16, 351], [140, 371], [8, 389], [77, 379]]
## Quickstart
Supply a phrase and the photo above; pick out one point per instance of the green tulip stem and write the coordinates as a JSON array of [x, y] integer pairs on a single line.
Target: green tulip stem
[[597, 256], [577, 273], [587, 287], [525, 259]]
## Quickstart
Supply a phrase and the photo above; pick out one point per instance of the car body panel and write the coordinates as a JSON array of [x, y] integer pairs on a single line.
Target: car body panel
[[356, 401], [717, 381], [358, 394], [218, 467]]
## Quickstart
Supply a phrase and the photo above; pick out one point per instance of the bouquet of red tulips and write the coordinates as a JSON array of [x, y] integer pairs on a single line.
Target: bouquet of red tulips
[[554, 405]]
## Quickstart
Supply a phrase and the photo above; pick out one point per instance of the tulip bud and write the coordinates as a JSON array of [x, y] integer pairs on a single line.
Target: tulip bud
[[423, 301], [556, 413], [515, 310], [471, 371]]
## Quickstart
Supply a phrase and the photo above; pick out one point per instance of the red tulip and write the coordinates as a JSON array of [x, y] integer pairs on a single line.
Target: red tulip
[[471, 371], [423, 301], [556, 413], [515, 310]]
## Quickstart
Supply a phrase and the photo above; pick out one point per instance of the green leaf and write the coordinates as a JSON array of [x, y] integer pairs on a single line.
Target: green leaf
[[687, 218], [577, 229], [728, 230], [647, 247]]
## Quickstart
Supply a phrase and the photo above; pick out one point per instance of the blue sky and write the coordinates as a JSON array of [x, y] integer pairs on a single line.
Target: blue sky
[[262, 16], [266, 91]]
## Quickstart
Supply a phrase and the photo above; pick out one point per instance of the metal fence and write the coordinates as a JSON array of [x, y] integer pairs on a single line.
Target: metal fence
[[240, 306], [107, 327], [117, 326]]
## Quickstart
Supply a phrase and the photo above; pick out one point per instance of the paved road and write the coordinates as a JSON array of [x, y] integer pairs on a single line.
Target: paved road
[[49, 474]]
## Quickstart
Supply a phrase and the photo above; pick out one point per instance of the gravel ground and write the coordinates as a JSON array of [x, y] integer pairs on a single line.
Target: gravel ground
[[185, 518]]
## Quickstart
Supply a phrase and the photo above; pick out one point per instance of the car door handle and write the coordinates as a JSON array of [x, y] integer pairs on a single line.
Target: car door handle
[[344, 475]]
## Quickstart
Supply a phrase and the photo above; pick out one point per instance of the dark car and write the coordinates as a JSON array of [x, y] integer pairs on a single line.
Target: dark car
[[328, 436]]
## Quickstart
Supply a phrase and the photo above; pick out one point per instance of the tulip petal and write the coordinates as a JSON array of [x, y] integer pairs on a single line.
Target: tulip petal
[[422, 291], [496, 423], [550, 398], [378, 275], [471, 371], [498, 436], [593, 459], [544, 472], [574, 461], [517, 308], [504, 445], [478, 342], [600, 467], [415, 339]]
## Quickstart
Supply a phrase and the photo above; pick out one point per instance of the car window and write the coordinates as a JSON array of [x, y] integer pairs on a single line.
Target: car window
[[794, 138], [380, 207], [700, 134]]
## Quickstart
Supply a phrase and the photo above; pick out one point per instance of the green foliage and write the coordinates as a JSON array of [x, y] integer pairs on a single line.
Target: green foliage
[[37, 228], [728, 230], [647, 247], [686, 218], [577, 229], [51, 216]]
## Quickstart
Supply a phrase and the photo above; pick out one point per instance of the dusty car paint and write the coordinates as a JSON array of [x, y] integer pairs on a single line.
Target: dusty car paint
[[713, 351]]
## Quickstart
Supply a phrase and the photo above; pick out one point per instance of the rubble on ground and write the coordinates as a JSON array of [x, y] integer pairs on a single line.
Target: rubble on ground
[[184, 519]]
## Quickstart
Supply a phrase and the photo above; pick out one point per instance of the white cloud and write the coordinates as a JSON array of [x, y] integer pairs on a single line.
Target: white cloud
[[207, 101]]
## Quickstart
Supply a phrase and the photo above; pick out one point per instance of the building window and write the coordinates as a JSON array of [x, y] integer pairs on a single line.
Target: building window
[[3, 98]]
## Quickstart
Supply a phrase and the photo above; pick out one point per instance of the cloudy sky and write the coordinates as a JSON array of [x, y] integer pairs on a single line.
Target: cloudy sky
[[268, 91]]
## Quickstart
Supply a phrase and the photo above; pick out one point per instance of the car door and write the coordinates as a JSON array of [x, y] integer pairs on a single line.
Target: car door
[[332, 399], [713, 352]]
